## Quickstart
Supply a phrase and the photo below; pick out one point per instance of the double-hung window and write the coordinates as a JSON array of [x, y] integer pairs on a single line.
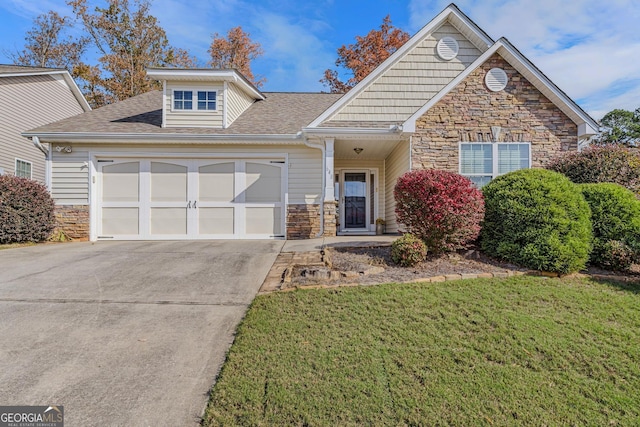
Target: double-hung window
[[23, 169], [483, 161]]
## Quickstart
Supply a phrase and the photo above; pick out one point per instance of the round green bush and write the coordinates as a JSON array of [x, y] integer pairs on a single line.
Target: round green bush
[[408, 250], [538, 219], [615, 217], [26, 210]]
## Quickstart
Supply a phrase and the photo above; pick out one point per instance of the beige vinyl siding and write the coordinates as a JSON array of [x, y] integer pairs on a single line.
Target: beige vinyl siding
[[367, 164], [195, 118], [304, 171], [396, 164], [70, 177], [27, 102], [237, 103], [411, 82]]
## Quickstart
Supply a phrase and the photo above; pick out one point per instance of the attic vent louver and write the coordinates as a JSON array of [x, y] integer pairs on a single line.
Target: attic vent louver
[[496, 79], [447, 48]]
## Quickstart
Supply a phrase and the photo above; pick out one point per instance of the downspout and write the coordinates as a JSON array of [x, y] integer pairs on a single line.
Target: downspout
[[320, 146], [47, 163]]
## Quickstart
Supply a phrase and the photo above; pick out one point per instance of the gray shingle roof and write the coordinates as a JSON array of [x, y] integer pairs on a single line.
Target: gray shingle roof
[[279, 114]]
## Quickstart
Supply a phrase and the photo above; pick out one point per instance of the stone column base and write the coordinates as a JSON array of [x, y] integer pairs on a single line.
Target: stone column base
[[330, 219]]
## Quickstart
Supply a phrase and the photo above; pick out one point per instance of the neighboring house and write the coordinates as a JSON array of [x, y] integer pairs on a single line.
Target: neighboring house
[[31, 97], [210, 156]]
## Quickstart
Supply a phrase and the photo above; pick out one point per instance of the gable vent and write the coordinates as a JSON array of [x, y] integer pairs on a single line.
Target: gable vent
[[447, 48], [496, 79]]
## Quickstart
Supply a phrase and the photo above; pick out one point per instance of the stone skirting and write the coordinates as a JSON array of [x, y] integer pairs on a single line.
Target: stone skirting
[[303, 221], [73, 221], [330, 219]]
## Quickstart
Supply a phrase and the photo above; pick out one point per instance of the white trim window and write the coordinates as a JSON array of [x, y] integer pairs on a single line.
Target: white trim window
[[23, 169], [483, 161], [205, 100], [182, 100]]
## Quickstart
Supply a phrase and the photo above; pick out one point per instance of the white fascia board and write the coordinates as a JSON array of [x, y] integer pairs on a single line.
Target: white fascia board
[[134, 138], [414, 41], [350, 131], [67, 78], [520, 63], [186, 74]]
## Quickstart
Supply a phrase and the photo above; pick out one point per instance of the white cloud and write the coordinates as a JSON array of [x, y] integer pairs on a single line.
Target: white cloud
[[296, 56]]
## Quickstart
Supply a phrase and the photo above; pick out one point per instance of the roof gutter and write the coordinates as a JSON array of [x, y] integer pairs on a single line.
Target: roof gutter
[[90, 137]]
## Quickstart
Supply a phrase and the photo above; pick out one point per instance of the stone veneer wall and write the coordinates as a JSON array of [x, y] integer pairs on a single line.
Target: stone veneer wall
[[73, 220], [330, 219], [303, 221], [468, 112]]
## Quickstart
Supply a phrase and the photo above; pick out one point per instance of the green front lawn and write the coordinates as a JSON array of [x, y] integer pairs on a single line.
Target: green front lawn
[[519, 351]]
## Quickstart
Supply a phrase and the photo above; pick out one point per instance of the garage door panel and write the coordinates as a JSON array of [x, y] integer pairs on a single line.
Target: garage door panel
[[264, 183], [263, 220], [215, 221], [121, 182], [168, 182], [120, 221], [216, 182], [168, 221]]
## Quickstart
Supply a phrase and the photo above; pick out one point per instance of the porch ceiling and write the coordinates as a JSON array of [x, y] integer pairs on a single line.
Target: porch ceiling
[[371, 149]]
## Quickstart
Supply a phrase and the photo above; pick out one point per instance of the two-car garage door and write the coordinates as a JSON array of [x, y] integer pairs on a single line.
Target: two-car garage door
[[190, 198]]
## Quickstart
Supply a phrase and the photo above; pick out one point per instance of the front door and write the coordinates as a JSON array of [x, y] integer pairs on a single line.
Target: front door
[[357, 200]]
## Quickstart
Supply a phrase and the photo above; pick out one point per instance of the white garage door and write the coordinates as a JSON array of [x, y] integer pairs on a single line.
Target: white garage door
[[191, 199]]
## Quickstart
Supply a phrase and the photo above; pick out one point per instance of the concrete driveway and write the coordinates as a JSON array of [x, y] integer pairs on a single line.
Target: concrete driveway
[[123, 333]]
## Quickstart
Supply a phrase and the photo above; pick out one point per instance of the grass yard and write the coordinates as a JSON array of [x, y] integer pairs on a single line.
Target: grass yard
[[519, 351]]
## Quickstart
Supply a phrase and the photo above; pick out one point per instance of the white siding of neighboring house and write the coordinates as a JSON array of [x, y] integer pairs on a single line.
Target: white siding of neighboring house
[[70, 180], [396, 164], [195, 118], [27, 102], [411, 82], [70, 177], [367, 164], [237, 103]]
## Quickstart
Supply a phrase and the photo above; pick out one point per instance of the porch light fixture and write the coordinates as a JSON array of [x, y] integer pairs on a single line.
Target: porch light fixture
[[358, 150]]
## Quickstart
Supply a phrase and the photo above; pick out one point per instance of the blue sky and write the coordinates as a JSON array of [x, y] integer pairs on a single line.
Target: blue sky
[[589, 48]]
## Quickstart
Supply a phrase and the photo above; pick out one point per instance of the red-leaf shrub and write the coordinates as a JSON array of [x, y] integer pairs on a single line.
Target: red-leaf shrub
[[408, 250], [26, 210], [442, 208]]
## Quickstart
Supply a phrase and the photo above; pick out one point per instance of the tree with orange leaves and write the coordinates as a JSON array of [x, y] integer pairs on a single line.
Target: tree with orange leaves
[[236, 51], [365, 55]]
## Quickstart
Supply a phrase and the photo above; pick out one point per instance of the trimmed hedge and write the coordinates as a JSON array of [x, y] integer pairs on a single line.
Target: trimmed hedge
[[604, 163], [442, 208], [538, 219], [615, 217], [26, 210], [408, 250]]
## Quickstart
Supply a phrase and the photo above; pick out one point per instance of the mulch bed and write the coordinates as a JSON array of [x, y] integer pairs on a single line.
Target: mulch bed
[[472, 261]]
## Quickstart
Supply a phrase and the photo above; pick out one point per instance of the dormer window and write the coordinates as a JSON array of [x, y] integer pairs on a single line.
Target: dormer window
[[182, 100], [206, 100]]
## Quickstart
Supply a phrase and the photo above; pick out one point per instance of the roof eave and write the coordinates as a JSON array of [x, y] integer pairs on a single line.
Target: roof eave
[[133, 138]]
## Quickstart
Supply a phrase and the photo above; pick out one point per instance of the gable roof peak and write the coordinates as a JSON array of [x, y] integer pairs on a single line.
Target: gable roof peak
[[451, 14]]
